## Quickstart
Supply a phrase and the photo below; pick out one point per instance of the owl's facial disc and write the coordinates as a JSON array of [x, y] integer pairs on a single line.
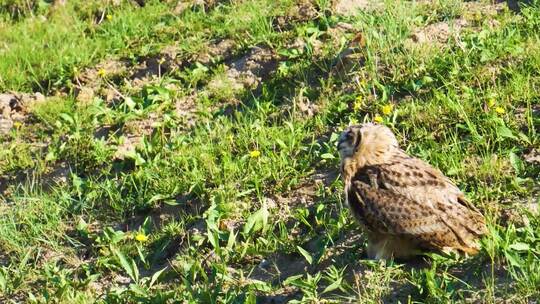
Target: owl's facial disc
[[348, 141]]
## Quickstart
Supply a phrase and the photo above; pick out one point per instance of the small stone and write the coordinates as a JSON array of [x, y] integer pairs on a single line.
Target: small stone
[[38, 97], [533, 157], [6, 99]]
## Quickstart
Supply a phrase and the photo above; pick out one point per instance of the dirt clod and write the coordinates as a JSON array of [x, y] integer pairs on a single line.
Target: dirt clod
[[14, 107], [439, 32], [351, 7], [221, 50], [133, 133], [185, 108], [252, 68], [532, 157], [247, 72], [304, 11]]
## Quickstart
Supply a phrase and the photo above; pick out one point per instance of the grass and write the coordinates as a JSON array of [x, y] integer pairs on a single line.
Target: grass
[[236, 198]]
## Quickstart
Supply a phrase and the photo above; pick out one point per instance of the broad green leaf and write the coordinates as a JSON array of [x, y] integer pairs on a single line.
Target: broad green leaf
[[67, 118], [292, 279], [124, 263], [155, 277], [257, 221], [3, 281], [327, 156], [504, 132], [231, 241], [306, 254], [333, 286], [520, 246], [516, 162]]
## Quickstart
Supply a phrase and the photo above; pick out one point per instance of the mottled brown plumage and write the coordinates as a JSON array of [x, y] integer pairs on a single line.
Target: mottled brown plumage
[[405, 205]]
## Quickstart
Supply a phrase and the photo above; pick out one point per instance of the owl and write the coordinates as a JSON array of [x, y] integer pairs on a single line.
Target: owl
[[405, 206]]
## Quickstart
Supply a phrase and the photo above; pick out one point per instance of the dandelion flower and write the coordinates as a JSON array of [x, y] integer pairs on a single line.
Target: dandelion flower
[[500, 110], [491, 103], [378, 119], [140, 237], [101, 72], [254, 153], [387, 109], [109, 17]]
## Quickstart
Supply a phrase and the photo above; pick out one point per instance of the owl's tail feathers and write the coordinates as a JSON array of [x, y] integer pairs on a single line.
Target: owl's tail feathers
[[467, 234]]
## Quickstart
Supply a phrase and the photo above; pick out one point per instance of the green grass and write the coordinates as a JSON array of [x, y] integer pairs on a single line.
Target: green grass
[[246, 205]]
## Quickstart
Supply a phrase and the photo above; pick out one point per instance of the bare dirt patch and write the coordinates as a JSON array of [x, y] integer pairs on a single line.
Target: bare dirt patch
[[51, 177], [14, 107], [440, 32], [252, 68], [133, 133], [242, 75], [532, 157], [351, 57], [278, 266], [351, 7], [217, 51], [304, 11], [185, 108], [184, 5]]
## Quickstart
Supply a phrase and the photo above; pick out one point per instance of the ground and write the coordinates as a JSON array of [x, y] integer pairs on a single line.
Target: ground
[[184, 151]]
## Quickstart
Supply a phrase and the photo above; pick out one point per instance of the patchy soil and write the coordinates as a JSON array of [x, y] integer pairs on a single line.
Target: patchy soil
[[216, 52], [304, 11], [53, 176], [14, 107], [351, 7], [184, 5], [532, 157], [186, 109], [351, 58], [249, 70], [133, 133], [440, 32]]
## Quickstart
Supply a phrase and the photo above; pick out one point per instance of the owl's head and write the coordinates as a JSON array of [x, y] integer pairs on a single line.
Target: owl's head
[[370, 142]]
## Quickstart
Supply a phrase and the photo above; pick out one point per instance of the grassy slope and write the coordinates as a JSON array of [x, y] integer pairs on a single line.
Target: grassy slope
[[226, 224]]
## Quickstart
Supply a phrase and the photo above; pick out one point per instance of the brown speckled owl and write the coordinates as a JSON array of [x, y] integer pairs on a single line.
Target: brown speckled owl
[[405, 206]]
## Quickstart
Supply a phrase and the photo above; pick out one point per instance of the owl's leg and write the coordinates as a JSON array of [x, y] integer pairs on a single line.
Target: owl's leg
[[388, 247], [379, 248]]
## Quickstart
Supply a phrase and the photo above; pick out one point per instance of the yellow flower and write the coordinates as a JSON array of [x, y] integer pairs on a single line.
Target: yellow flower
[[387, 109], [500, 110], [254, 153], [378, 119], [140, 237], [101, 72], [491, 103], [357, 103], [109, 17]]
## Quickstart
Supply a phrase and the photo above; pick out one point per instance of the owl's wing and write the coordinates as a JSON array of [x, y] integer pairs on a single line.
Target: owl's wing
[[421, 183], [385, 211]]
